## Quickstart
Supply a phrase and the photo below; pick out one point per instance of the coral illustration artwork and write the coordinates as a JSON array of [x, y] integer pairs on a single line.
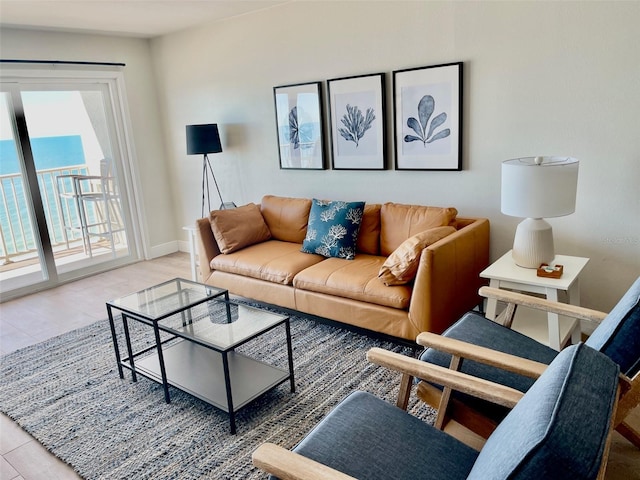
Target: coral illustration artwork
[[356, 124], [426, 107]]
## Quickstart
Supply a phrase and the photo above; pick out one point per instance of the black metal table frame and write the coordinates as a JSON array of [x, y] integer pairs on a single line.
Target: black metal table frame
[[128, 362]]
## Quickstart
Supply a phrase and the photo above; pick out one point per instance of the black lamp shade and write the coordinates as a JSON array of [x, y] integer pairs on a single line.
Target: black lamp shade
[[203, 139]]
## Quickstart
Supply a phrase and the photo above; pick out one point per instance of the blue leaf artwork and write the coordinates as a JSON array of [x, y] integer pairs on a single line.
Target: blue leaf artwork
[[426, 107]]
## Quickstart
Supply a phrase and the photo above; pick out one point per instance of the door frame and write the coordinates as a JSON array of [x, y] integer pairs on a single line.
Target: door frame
[[66, 76]]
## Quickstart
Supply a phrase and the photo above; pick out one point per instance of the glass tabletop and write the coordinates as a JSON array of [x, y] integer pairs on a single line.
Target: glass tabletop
[[166, 298], [221, 324]]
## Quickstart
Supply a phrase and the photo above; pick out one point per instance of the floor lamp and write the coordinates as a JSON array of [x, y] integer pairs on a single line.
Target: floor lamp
[[537, 188], [205, 139]]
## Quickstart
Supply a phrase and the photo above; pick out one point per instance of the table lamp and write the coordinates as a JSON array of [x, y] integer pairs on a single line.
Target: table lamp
[[205, 139], [536, 188]]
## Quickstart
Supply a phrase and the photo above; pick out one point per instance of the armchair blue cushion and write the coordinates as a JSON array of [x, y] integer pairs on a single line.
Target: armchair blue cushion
[[368, 438], [557, 431], [560, 427], [618, 336]]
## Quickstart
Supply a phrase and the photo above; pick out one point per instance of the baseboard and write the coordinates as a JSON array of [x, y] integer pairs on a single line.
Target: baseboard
[[183, 246], [164, 249]]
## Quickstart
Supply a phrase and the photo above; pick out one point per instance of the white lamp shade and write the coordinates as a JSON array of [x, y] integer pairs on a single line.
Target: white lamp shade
[[539, 187]]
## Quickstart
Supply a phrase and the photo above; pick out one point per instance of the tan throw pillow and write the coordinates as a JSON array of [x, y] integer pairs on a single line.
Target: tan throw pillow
[[399, 222], [239, 227], [401, 266]]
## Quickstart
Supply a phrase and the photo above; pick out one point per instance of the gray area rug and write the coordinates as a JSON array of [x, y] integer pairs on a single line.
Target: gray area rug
[[66, 392]]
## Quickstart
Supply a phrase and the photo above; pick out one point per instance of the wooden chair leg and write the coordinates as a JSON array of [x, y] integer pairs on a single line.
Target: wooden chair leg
[[405, 391], [628, 432], [507, 315], [446, 395], [460, 412]]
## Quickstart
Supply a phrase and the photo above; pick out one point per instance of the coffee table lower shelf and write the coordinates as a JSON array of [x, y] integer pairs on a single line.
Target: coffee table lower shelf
[[199, 371]]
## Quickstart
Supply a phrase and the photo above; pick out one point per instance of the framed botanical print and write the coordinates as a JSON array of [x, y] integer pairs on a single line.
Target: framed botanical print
[[427, 105], [300, 126], [357, 119]]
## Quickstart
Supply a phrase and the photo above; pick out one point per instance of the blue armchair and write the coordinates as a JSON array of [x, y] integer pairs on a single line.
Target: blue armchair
[[559, 429], [486, 349]]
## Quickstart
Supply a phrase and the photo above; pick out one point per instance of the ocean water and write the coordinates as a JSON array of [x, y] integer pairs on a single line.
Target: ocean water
[[48, 152]]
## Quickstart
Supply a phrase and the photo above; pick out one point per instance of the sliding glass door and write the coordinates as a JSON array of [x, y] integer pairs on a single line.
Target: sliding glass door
[[21, 247], [64, 211]]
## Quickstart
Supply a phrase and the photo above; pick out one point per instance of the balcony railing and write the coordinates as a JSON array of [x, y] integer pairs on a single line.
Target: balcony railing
[[16, 230]]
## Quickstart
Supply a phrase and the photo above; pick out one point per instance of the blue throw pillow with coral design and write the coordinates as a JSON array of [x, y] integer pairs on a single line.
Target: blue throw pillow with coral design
[[333, 228]]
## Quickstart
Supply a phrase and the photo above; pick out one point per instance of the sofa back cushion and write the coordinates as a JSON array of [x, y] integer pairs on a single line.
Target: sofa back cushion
[[286, 217], [369, 236], [399, 222], [238, 228]]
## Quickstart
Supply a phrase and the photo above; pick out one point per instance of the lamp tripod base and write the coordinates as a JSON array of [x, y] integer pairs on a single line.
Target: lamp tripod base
[[206, 170], [533, 243]]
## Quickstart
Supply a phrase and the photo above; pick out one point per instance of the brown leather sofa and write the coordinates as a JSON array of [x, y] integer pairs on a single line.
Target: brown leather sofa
[[275, 271]]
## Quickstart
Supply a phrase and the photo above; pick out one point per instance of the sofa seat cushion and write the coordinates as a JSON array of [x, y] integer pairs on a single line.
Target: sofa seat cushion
[[274, 261], [356, 279]]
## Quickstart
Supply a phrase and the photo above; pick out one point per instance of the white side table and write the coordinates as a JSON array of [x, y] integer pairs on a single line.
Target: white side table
[[192, 252], [504, 273]]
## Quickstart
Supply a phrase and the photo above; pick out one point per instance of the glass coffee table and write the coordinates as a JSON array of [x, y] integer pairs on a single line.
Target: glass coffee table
[[201, 329]]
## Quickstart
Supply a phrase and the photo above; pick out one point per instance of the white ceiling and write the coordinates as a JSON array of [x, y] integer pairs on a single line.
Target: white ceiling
[[137, 18]]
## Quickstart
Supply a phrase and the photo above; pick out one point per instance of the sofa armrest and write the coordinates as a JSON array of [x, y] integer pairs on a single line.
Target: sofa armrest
[[448, 277], [207, 247]]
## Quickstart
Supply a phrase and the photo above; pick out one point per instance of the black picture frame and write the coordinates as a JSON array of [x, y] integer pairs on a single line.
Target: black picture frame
[[427, 104], [358, 122], [300, 126]]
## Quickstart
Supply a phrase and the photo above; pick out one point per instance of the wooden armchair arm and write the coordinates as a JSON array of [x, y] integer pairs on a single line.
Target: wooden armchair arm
[[543, 304], [446, 377], [504, 361], [289, 465]]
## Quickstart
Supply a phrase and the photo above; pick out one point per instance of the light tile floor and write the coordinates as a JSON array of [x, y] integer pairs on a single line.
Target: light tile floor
[[32, 319], [35, 318]]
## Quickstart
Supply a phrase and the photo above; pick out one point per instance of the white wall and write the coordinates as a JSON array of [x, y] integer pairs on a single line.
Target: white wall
[[540, 78], [149, 155]]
